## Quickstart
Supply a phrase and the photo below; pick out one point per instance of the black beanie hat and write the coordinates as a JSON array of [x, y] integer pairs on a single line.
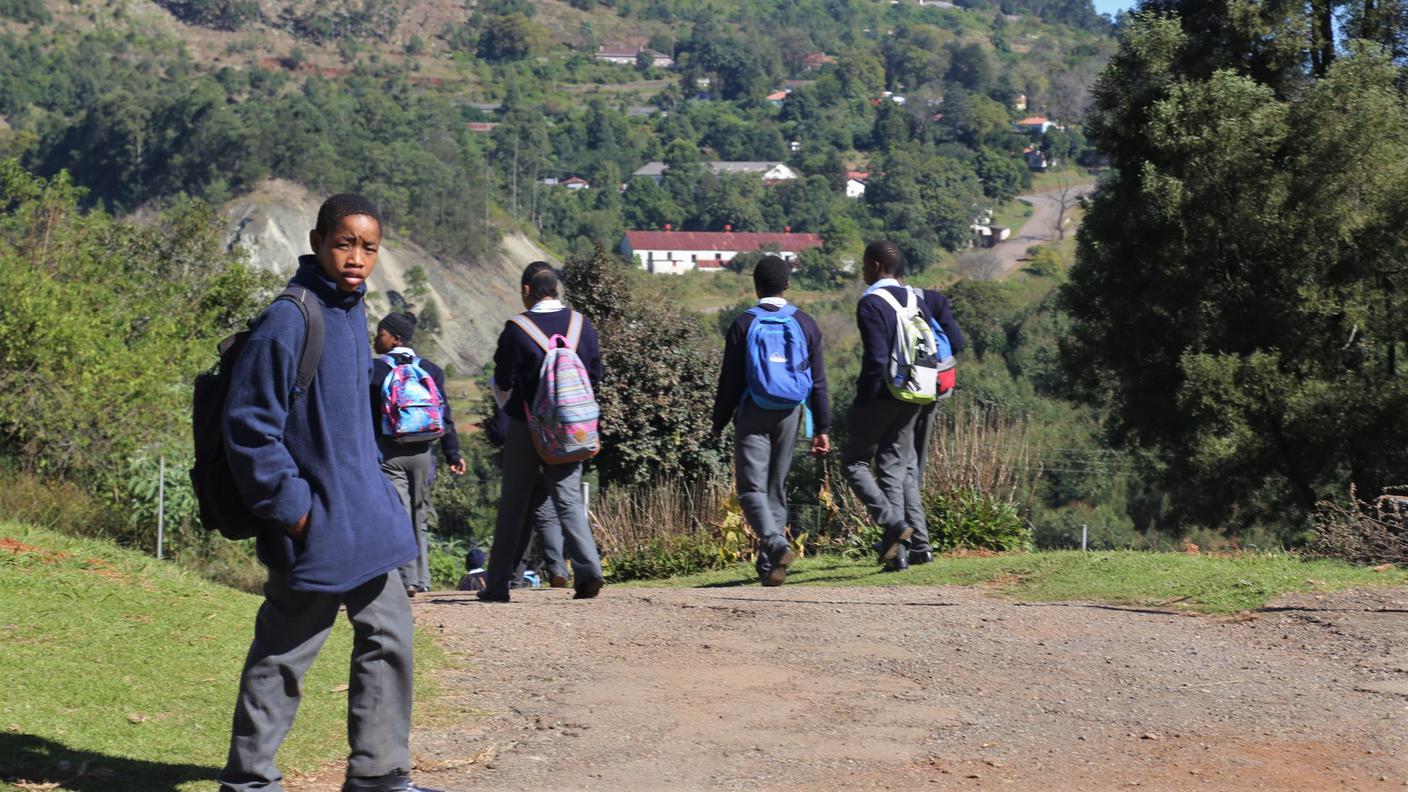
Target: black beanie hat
[[770, 276], [401, 325]]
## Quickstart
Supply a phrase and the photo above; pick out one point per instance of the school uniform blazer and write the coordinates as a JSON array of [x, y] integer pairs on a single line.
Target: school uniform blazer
[[733, 375]]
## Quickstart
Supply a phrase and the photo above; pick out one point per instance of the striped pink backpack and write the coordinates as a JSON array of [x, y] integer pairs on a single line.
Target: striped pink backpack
[[563, 414]]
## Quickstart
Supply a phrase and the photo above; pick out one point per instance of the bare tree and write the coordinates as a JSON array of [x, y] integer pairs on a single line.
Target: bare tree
[[980, 265]]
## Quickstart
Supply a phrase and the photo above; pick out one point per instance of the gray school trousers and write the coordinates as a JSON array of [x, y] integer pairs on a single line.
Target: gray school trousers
[[881, 430], [548, 529], [288, 632], [523, 470], [408, 468], [762, 456], [913, 494]]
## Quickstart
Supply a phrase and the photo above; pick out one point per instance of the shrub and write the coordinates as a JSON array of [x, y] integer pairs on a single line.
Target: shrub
[[1351, 533], [970, 519], [446, 560], [667, 556]]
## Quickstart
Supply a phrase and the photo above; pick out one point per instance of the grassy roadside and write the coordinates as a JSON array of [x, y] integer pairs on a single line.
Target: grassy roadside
[[120, 671], [1207, 584]]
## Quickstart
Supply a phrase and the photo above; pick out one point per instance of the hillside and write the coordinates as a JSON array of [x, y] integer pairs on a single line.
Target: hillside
[[473, 297]]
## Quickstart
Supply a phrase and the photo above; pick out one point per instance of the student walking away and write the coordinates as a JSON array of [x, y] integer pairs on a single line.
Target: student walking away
[[410, 412], [947, 332], [898, 376], [334, 532], [545, 524], [547, 369], [773, 369]]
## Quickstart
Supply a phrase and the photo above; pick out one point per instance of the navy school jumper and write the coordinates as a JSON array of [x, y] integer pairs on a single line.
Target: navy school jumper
[[943, 314], [518, 358], [314, 453], [876, 321], [733, 377]]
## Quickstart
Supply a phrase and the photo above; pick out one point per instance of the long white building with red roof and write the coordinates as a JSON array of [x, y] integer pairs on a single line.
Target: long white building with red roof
[[676, 252]]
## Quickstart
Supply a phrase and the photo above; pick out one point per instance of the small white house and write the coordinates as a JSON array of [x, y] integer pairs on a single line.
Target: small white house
[[855, 184], [1036, 125], [768, 171], [676, 252]]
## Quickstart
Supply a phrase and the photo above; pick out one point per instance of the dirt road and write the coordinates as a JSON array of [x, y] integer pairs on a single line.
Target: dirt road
[[1040, 228], [912, 688]]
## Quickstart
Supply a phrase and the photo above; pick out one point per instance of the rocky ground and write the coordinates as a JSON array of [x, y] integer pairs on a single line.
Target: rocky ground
[[911, 688]]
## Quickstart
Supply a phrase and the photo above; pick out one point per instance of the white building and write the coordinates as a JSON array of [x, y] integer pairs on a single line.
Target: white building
[[768, 171], [677, 252], [626, 56], [855, 183]]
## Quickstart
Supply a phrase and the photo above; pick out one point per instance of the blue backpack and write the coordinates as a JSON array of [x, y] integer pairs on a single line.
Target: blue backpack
[[779, 364], [944, 353]]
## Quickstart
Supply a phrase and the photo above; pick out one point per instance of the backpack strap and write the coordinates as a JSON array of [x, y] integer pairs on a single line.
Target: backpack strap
[[531, 329], [312, 352], [890, 298], [574, 330]]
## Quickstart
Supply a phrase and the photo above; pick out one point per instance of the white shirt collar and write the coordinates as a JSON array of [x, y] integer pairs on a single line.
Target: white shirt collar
[[776, 302], [549, 305], [880, 284]]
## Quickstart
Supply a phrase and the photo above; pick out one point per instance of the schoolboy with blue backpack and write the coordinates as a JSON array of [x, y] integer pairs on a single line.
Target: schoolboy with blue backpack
[[547, 370], [773, 375], [410, 412]]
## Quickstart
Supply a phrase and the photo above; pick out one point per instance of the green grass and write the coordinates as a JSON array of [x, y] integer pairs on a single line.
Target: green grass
[[1013, 214], [1207, 584], [120, 671], [1055, 179]]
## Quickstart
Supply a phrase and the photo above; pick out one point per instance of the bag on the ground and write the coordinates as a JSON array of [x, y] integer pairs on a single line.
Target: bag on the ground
[[412, 409], [779, 368], [222, 507], [914, 363], [562, 415], [948, 367]]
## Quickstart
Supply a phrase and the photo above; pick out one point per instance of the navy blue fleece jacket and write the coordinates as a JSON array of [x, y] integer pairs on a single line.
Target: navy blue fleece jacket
[[518, 359], [876, 321], [733, 376], [314, 453]]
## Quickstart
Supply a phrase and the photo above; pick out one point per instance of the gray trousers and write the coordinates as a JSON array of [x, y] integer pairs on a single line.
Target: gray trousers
[[288, 632], [408, 468], [913, 493], [882, 430], [548, 529], [522, 495], [762, 458]]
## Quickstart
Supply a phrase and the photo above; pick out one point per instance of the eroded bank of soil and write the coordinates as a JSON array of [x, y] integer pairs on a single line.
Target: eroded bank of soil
[[912, 688]]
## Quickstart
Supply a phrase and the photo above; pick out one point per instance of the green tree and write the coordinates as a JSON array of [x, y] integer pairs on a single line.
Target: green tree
[[510, 37], [1237, 297]]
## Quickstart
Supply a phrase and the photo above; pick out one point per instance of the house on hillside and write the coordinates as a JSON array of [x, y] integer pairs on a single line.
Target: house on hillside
[[676, 252], [776, 98], [855, 183], [1037, 159], [1036, 125], [768, 171], [815, 60], [482, 127], [626, 56]]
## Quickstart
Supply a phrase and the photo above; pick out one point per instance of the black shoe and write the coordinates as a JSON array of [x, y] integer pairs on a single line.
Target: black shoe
[[777, 573], [896, 545], [899, 563], [411, 591], [917, 557], [589, 589], [489, 595], [393, 782], [557, 581]]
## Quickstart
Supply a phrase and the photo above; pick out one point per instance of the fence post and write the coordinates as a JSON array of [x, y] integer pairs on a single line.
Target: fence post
[[1082, 536], [160, 507], [587, 499]]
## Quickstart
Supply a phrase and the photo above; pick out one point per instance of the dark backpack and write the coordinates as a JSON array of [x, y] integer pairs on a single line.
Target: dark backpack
[[222, 507]]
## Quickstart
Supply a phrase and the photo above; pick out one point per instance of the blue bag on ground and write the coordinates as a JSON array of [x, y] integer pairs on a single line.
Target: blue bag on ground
[[779, 365]]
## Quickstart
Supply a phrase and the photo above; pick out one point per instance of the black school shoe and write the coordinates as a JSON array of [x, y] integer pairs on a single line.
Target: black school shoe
[[899, 563], [393, 782], [489, 595], [588, 589], [917, 557], [895, 545], [776, 573]]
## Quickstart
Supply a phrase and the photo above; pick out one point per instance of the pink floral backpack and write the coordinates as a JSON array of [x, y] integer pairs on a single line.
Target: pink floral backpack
[[563, 414]]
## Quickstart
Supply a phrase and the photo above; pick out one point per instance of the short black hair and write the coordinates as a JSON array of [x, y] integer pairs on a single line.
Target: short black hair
[[771, 275], [887, 255], [543, 284], [344, 205], [533, 269]]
